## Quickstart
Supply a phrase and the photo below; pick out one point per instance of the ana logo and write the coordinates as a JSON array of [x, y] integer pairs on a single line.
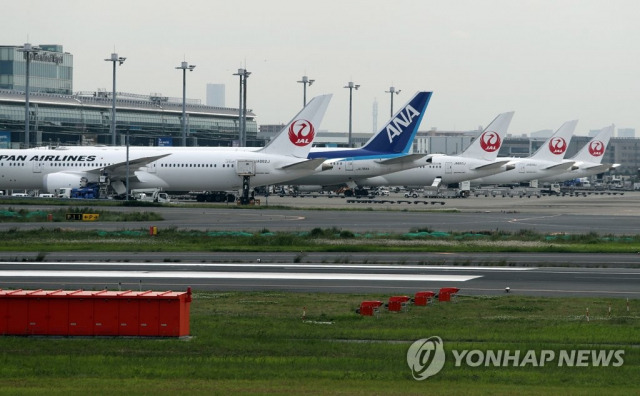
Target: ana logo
[[596, 148], [426, 357], [558, 145], [490, 141], [403, 120], [301, 132]]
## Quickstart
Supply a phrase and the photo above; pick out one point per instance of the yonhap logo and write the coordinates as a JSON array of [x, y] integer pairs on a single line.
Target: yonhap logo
[[426, 357]]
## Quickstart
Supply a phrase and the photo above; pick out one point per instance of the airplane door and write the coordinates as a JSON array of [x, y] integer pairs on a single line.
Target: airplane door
[[521, 166], [151, 168], [37, 167], [348, 166], [448, 168]]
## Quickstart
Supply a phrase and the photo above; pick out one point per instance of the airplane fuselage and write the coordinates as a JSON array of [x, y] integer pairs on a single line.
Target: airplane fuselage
[[524, 170], [179, 170], [451, 169]]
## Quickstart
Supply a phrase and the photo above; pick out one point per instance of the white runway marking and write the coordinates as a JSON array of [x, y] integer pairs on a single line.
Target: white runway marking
[[283, 265], [236, 275]]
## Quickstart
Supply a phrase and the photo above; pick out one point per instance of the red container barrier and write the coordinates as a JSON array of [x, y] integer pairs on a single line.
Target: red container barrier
[[81, 314], [128, 317], [369, 308], [149, 317], [101, 313], [398, 303], [423, 298], [446, 293]]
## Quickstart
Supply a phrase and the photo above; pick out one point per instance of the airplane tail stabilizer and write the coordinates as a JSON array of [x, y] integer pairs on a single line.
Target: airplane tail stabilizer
[[487, 145], [594, 150], [556, 146], [297, 137], [398, 133]]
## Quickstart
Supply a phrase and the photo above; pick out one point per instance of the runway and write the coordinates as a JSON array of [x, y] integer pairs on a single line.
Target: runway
[[334, 278], [540, 274]]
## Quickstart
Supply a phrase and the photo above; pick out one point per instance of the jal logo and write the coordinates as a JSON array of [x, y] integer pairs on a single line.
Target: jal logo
[[426, 357], [301, 132], [490, 141], [596, 148], [558, 145]]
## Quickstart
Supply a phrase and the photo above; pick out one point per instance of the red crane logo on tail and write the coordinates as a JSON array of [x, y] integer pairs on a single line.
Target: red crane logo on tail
[[490, 141], [558, 145], [301, 132], [596, 148]]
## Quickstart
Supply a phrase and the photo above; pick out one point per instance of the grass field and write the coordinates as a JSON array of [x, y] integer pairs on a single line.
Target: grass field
[[259, 343]]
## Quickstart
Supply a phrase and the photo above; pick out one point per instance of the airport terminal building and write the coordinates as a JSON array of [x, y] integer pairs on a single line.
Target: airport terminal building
[[57, 116]]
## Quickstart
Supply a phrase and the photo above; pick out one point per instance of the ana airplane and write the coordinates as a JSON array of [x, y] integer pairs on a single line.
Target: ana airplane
[[588, 161], [387, 151], [284, 158], [477, 160], [545, 162]]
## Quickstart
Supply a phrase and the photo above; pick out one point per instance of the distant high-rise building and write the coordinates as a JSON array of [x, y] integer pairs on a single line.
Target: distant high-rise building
[[51, 69], [626, 132], [215, 95]]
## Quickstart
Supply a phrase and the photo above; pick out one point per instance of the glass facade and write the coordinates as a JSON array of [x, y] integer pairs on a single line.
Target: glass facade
[[77, 120], [50, 69]]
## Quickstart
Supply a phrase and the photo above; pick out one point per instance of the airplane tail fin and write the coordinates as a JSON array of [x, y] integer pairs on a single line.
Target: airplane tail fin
[[487, 145], [297, 137], [594, 150], [397, 135], [556, 146]]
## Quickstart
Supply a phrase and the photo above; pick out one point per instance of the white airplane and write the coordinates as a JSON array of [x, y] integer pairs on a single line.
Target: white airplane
[[284, 158], [588, 161], [477, 160], [545, 162], [387, 151]]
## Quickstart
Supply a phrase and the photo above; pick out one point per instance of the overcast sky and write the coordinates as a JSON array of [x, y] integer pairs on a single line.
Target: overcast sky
[[549, 60]]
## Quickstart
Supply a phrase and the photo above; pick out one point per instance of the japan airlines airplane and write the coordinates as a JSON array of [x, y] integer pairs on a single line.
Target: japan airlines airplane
[[477, 160], [284, 158], [545, 162], [588, 161], [387, 151]]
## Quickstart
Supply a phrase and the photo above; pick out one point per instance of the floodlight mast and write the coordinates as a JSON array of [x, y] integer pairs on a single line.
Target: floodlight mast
[[119, 60], [184, 66], [351, 87], [28, 50], [305, 81], [392, 90]]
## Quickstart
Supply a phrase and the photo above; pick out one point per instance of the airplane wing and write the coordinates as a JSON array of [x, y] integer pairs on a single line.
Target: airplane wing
[[602, 167], [308, 164], [120, 168], [403, 159], [492, 165], [561, 166]]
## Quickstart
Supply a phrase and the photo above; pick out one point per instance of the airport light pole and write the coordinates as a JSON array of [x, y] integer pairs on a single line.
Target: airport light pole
[[184, 66], [119, 60], [305, 81], [243, 143], [27, 49], [242, 106], [392, 90], [351, 87]]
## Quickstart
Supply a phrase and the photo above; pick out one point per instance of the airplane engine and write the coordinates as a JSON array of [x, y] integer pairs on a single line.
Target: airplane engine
[[54, 181]]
